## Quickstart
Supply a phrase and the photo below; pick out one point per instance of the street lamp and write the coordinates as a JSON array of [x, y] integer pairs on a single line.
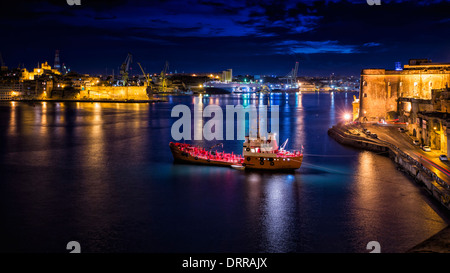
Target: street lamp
[[347, 117]]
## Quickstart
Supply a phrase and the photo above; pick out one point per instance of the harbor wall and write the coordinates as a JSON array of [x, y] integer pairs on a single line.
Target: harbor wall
[[115, 93]]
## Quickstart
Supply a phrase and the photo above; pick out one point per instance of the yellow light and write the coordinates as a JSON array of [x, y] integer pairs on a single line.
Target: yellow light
[[200, 85]]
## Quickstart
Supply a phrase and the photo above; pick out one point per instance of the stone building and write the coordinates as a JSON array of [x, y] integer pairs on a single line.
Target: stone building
[[417, 94], [381, 88]]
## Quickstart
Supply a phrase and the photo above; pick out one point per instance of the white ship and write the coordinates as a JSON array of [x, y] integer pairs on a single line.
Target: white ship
[[217, 87]]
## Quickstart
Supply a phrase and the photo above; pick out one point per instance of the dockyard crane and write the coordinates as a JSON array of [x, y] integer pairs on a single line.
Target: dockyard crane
[[125, 67], [146, 76], [291, 77], [163, 85]]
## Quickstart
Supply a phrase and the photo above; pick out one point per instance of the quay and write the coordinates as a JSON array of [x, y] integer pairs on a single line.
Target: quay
[[90, 100], [424, 168]]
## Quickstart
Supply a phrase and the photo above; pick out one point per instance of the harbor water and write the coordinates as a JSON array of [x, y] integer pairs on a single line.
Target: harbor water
[[102, 174]]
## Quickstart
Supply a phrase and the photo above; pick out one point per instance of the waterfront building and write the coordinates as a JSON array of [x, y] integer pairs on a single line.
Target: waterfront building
[[227, 76], [381, 88], [417, 95], [306, 87], [10, 89]]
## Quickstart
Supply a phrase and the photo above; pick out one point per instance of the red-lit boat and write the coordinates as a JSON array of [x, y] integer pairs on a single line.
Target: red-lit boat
[[258, 153]]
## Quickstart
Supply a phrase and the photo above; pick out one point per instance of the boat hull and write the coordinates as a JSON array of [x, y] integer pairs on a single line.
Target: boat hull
[[180, 156], [273, 163]]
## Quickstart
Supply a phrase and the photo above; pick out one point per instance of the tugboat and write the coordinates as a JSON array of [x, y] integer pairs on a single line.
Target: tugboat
[[258, 153]]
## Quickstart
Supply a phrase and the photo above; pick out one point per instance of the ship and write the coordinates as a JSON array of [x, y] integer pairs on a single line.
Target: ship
[[258, 153], [216, 87]]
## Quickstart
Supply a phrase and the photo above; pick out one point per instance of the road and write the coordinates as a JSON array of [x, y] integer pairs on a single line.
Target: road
[[390, 134]]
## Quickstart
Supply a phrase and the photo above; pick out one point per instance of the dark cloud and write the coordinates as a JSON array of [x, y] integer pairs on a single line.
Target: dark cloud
[[209, 35]]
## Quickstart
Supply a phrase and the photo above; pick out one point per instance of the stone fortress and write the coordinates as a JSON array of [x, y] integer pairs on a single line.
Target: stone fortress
[[416, 94]]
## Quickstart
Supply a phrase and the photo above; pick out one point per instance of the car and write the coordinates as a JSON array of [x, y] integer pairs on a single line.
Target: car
[[443, 158], [426, 148], [401, 130], [416, 142], [373, 135], [367, 132]]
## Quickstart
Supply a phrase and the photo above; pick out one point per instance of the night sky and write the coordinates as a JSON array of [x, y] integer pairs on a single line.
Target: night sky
[[251, 37]]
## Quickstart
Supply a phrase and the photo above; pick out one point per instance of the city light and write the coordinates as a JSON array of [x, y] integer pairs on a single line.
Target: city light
[[347, 117]]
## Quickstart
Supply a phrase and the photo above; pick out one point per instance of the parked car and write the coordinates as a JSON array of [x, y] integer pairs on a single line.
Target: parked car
[[401, 130], [426, 148], [367, 132], [443, 158], [416, 142], [373, 135]]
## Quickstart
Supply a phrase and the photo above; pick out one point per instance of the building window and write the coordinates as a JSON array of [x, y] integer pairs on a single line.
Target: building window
[[365, 95]]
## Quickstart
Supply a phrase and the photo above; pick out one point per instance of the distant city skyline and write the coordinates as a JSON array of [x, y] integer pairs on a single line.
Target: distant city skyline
[[200, 36]]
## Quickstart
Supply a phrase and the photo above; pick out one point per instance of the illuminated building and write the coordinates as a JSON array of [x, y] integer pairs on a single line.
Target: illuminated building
[[381, 88], [10, 90], [418, 95], [306, 87], [39, 71], [227, 75]]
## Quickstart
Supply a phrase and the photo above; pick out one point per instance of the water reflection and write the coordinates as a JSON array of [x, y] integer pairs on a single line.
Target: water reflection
[[12, 119], [332, 110], [103, 173], [279, 215], [383, 201], [198, 117]]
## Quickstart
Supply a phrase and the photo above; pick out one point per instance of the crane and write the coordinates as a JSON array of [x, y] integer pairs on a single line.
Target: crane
[[291, 76], [163, 85], [125, 67], [145, 75]]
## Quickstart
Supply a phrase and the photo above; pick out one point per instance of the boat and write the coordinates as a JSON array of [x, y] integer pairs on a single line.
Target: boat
[[258, 153], [217, 87]]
